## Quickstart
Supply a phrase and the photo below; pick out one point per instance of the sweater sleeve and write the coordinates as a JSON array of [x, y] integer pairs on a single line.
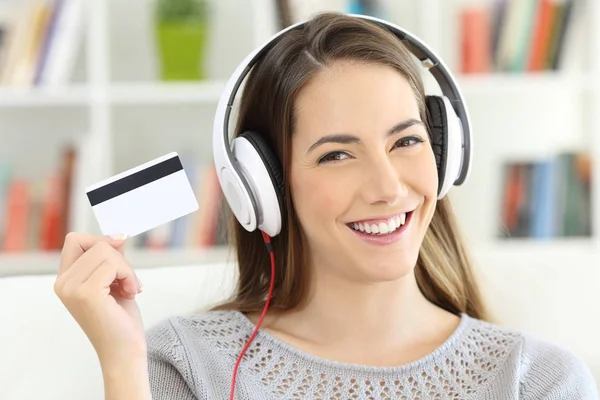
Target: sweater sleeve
[[168, 370], [550, 372]]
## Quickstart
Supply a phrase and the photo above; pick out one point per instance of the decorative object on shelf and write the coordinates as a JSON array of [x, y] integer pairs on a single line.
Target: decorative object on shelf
[[181, 29]]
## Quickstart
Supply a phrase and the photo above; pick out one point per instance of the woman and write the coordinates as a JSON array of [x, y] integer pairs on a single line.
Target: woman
[[374, 297]]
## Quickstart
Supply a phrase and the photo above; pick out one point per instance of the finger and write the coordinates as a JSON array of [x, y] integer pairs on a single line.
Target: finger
[[118, 287], [111, 270], [85, 265], [76, 244], [118, 292], [88, 263], [115, 287]]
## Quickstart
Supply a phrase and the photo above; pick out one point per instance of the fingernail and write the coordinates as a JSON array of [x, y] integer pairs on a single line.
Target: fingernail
[[140, 287], [119, 236]]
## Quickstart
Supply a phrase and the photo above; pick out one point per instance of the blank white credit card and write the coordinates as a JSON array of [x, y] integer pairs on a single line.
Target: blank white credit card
[[143, 197]]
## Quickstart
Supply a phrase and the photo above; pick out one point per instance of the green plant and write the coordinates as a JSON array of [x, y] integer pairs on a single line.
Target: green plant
[[168, 10], [181, 29]]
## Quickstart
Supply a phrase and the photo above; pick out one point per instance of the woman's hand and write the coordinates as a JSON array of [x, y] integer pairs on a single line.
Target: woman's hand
[[98, 288]]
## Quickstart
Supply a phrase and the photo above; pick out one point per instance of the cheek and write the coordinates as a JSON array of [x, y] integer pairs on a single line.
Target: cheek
[[424, 180], [316, 198]]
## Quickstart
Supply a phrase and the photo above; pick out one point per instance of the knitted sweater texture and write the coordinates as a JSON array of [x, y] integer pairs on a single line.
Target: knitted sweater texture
[[193, 357]]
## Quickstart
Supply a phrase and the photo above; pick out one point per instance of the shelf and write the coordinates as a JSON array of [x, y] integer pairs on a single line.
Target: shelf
[[37, 263], [557, 253], [159, 93], [46, 263], [122, 93], [527, 83], [75, 95], [558, 245], [161, 258], [134, 93]]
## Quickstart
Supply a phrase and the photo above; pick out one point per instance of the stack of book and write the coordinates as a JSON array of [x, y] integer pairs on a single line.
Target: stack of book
[[35, 213], [204, 228], [39, 41], [518, 35], [547, 198]]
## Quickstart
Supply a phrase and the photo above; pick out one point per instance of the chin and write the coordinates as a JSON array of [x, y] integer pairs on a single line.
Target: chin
[[385, 269]]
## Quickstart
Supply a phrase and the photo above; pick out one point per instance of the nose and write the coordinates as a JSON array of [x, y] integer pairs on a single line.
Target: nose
[[383, 183]]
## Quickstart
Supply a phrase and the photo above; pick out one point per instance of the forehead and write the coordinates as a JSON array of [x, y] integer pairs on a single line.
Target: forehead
[[356, 98]]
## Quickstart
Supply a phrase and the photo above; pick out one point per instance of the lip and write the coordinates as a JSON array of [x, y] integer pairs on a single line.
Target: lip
[[387, 239]]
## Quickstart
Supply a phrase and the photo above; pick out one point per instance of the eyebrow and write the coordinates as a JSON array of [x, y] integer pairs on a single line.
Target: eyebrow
[[345, 138]]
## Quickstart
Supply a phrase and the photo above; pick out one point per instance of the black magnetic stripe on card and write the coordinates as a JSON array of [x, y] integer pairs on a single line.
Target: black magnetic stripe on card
[[135, 180]]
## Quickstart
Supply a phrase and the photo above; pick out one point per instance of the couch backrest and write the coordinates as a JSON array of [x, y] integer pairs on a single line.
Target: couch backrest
[[44, 353]]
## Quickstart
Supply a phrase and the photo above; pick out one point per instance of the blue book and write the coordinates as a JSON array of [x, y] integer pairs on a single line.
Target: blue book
[[544, 200]]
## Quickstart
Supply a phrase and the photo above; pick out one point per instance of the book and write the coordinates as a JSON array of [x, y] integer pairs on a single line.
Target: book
[[547, 198]]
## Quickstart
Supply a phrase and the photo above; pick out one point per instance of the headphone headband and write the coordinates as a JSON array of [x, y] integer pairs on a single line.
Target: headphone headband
[[233, 181]]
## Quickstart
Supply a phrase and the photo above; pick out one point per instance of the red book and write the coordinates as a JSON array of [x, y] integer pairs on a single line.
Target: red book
[[51, 214], [476, 40], [542, 35], [17, 216]]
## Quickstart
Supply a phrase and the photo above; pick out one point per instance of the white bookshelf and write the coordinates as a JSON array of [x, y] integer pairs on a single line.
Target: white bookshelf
[[76, 95], [540, 84], [527, 116], [113, 87], [157, 93], [122, 115]]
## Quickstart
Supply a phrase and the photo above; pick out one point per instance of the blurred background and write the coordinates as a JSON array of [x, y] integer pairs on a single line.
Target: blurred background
[[89, 89], [92, 88]]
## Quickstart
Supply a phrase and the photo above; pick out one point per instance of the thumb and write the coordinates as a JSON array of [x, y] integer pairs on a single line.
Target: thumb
[[119, 245], [118, 242]]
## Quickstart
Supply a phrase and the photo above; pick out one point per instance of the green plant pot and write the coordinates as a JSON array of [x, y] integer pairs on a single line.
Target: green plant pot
[[181, 49]]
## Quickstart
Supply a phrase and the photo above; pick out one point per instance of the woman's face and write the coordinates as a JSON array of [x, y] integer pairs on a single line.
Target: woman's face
[[363, 174]]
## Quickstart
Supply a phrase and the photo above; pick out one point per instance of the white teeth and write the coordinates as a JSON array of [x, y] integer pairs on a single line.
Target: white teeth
[[383, 227], [391, 225]]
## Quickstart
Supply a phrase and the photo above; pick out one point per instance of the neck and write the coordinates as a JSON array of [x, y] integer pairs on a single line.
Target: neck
[[340, 311]]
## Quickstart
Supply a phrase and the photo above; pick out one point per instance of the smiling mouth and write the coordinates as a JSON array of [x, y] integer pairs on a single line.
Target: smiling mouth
[[382, 228]]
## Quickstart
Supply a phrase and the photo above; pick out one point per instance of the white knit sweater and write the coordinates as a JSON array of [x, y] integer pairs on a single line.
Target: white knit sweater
[[193, 357]]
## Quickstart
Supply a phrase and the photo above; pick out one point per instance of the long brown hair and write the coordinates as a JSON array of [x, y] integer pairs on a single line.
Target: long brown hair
[[443, 271]]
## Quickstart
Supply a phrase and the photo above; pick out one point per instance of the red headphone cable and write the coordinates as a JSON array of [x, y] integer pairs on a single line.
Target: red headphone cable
[[267, 240]]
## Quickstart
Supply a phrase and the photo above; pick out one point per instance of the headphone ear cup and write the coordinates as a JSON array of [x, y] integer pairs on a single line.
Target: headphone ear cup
[[436, 114], [266, 174], [446, 139]]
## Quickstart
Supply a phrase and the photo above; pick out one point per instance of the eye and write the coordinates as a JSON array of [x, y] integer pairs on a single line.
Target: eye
[[408, 141], [332, 157]]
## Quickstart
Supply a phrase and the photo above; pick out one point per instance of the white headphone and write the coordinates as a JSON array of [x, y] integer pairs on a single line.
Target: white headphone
[[251, 176]]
